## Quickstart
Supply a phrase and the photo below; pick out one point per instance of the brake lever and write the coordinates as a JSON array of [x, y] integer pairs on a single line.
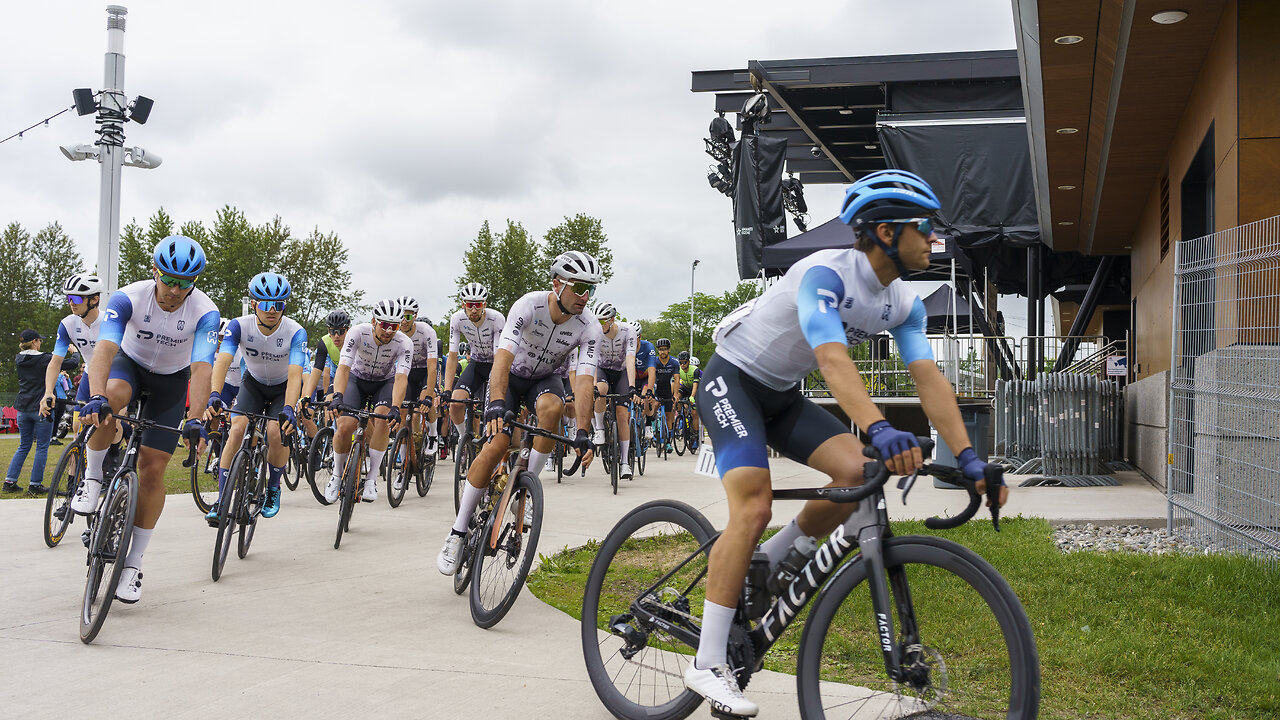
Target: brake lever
[[905, 483], [993, 493]]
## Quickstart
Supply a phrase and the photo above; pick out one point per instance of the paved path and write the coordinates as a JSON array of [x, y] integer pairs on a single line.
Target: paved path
[[301, 630]]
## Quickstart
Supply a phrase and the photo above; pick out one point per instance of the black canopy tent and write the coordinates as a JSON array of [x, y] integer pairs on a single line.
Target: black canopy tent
[[834, 234]]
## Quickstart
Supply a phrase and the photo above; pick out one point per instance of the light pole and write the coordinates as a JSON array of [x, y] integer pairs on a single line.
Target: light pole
[[691, 271]]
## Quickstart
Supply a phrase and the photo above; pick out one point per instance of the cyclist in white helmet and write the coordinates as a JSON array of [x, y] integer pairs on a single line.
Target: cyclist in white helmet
[[422, 371], [78, 332], [478, 327]]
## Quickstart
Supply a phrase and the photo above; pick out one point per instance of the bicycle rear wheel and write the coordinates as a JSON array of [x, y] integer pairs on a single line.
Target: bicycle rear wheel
[[62, 487], [678, 436], [320, 463], [250, 505], [425, 473], [462, 578], [500, 568], [398, 467], [637, 669], [347, 496], [204, 473], [461, 463], [108, 547], [967, 646], [228, 508], [295, 468]]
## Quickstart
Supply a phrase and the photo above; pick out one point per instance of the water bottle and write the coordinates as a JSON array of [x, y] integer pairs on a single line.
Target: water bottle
[[801, 552], [755, 596]]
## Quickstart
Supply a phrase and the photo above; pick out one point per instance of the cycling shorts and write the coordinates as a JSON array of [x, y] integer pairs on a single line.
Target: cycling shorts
[[744, 417], [255, 397], [473, 377], [686, 391], [82, 390], [417, 381], [616, 380], [166, 399], [368, 394], [526, 391], [568, 389]]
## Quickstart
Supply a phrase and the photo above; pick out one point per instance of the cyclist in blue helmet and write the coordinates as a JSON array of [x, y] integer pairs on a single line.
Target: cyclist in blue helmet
[[750, 400], [156, 335]]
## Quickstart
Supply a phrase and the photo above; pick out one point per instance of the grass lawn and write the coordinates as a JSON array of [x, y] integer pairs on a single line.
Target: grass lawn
[[1119, 635], [177, 479]]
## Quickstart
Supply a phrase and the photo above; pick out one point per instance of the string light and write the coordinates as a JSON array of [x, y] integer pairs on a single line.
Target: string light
[[44, 122]]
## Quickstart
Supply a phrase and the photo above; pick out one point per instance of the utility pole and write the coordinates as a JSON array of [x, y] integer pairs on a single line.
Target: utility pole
[[691, 271]]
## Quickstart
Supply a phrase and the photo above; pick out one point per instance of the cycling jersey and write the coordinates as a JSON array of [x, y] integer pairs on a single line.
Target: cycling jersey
[[540, 346], [830, 296], [665, 371], [690, 376], [266, 357], [236, 371], [370, 361], [332, 351], [424, 345], [614, 350], [74, 331], [645, 358], [481, 338], [161, 342]]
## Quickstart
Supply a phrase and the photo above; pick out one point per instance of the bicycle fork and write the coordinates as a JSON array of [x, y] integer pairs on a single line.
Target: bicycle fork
[[880, 580]]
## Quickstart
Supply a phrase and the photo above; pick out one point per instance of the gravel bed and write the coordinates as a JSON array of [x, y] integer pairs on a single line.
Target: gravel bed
[[1124, 538]]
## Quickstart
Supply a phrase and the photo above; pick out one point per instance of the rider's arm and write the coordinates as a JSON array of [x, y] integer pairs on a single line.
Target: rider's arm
[[226, 354], [198, 389], [450, 370], [340, 378], [817, 306], [500, 373], [398, 389], [203, 346], [939, 403], [297, 358]]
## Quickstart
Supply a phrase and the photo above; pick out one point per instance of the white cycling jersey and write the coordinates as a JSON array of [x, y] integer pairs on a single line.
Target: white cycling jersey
[[235, 373], [424, 345], [73, 330], [159, 341], [266, 357], [614, 350], [482, 338], [370, 361], [569, 365], [540, 346], [830, 296]]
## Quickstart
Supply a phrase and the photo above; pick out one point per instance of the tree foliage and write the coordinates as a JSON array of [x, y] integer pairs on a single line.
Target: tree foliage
[[31, 288], [583, 233], [708, 310], [503, 263]]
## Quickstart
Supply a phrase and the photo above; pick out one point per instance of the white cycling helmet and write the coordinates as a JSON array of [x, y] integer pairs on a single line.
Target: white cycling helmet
[[577, 266], [407, 305], [694, 361], [473, 292], [387, 311], [82, 284], [636, 324], [605, 311]]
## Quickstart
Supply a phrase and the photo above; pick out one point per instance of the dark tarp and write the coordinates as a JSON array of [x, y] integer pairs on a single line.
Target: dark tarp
[[834, 234], [758, 217], [940, 306]]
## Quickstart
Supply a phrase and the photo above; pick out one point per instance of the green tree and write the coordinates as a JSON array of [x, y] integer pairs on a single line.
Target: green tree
[[316, 267], [709, 310], [135, 255], [237, 251], [580, 232], [53, 259], [17, 291], [502, 264]]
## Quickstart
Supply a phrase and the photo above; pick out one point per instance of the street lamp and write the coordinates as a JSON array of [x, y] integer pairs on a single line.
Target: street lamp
[[691, 271]]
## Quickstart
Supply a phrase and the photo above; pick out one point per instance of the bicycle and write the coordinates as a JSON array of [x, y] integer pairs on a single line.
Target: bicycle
[[204, 468], [241, 501], [320, 462], [63, 485], [408, 458], [611, 450], [639, 437], [661, 433], [468, 444], [110, 530], [849, 661], [353, 486], [299, 445], [682, 437]]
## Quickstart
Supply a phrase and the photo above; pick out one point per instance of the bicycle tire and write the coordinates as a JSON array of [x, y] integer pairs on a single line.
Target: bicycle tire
[[64, 483], [294, 468], [108, 545], [946, 586], [228, 507], [426, 473], [650, 684], [397, 467], [499, 573], [204, 473], [612, 448], [320, 463], [639, 443], [461, 463], [347, 496], [251, 505], [678, 436]]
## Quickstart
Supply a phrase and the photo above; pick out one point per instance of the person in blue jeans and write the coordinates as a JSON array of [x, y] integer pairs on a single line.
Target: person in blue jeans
[[32, 427]]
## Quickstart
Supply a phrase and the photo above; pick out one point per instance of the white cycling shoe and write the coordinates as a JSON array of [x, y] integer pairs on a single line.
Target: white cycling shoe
[[598, 438], [86, 500], [130, 587], [447, 560], [333, 488], [720, 688], [370, 490]]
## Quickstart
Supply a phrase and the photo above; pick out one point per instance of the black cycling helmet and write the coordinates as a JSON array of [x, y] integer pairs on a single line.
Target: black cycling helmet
[[338, 319], [663, 343], [683, 357]]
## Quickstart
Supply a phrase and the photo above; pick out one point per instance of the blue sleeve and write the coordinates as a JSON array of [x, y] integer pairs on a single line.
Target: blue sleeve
[[231, 338], [298, 349], [116, 318], [818, 305], [205, 343], [60, 347], [912, 343]]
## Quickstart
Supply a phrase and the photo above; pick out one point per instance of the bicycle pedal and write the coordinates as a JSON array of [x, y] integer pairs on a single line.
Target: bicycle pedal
[[85, 537], [60, 512], [722, 715]]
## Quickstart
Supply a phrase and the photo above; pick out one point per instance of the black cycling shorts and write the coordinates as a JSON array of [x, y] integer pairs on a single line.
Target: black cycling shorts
[[473, 377], [417, 380], [743, 415], [615, 379], [166, 399], [368, 394], [526, 391], [255, 397]]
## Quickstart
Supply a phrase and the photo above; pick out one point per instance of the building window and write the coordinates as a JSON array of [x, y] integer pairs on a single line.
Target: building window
[[1164, 215]]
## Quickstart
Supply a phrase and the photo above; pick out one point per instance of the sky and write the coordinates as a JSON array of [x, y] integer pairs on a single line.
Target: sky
[[403, 125]]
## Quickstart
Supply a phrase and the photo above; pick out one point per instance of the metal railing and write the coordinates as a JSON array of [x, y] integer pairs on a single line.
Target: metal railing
[[1224, 394], [1064, 425]]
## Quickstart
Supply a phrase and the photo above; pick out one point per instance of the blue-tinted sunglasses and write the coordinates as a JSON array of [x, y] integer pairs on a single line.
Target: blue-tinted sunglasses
[[269, 305], [924, 225]]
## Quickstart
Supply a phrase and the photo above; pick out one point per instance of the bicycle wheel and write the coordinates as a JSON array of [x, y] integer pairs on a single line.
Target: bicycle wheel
[[228, 508], [612, 449], [204, 473], [678, 437], [320, 463], [398, 467], [108, 547], [62, 487], [499, 569], [426, 472], [967, 646], [461, 463], [296, 466], [639, 441], [347, 496], [637, 669], [250, 505]]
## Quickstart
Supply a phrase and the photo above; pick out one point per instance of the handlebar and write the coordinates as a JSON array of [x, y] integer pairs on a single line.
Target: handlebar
[[510, 419], [351, 410]]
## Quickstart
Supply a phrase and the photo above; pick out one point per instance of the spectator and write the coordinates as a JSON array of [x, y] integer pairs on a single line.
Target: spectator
[[31, 365], [61, 390]]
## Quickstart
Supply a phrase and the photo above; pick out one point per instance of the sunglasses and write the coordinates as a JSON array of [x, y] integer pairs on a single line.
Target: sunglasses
[[76, 299], [473, 305], [337, 331], [175, 282], [581, 288], [924, 225], [269, 305], [386, 324], [409, 316]]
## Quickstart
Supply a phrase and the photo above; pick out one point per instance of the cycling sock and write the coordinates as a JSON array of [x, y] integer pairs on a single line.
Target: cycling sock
[[339, 463], [600, 420], [625, 446], [470, 498], [273, 476], [780, 544], [222, 480], [537, 461], [93, 463], [461, 428], [375, 462], [573, 427], [712, 648], [141, 537]]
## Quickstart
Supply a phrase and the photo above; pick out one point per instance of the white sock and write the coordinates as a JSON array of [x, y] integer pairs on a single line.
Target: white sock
[[339, 463], [625, 446], [600, 421], [93, 460], [467, 505], [141, 537], [712, 648], [537, 461], [375, 463], [573, 427], [780, 544], [431, 428], [461, 428]]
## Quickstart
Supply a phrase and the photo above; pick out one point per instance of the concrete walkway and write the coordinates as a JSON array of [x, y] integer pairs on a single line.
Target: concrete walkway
[[301, 630]]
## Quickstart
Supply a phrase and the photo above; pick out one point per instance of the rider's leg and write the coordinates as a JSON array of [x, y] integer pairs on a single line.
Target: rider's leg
[[235, 435], [491, 453], [750, 497], [548, 408]]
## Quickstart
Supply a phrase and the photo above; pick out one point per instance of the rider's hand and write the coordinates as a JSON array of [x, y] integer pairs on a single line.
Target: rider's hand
[[95, 410], [215, 401], [46, 404], [582, 441], [975, 469], [193, 432], [335, 401], [288, 419], [495, 410], [899, 450], [394, 413]]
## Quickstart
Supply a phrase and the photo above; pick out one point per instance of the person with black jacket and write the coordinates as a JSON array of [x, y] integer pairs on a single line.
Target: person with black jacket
[[32, 426]]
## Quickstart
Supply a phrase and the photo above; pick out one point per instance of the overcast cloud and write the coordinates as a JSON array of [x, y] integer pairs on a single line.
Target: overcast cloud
[[402, 126]]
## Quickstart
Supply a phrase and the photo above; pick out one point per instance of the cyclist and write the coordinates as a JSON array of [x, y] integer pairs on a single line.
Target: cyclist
[[645, 369], [478, 327], [79, 329], [616, 373], [542, 330], [666, 385], [373, 370], [275, 350], [327, 352], [750, 395], [155, 335], [690, 375], [422, 370]]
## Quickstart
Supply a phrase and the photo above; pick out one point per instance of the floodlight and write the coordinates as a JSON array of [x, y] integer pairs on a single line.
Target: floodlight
[[140, 158], [79, 152]]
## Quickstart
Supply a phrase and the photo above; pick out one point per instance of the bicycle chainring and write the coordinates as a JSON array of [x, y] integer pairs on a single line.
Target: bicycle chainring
[[741, 654]]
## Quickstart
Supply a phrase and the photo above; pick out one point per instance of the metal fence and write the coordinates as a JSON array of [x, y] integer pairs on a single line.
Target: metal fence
[[1064, 425], [1224, 396]]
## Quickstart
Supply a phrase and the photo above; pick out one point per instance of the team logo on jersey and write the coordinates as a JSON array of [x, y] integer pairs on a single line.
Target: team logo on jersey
[[827, 299], [718, 387], [848, 302], [182, 324], [885, 315], [111, 314], [146, 318], [279, 342]]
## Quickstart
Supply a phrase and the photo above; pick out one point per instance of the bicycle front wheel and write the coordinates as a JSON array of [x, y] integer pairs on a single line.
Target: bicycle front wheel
[[637, 669], [967, 646], [108, 548], [296, 467], [320, 463], [250, 506], [204, 473], [500, 566], [228, 508], [425, 473], [461, 463], [347, 496], [398, 467], [678, 435], [62, 487]]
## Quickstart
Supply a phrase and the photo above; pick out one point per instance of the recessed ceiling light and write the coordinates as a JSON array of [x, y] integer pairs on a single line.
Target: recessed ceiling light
[[1066, 222], [1068, 39], [1169, 17], [1128, 247], [845, 111], [869, 147], [1066, 187], [1067, 131]]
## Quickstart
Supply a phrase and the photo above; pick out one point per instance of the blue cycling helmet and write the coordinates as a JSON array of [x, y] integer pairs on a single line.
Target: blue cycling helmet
[[179, 255], [888, 195], [269, 286]]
